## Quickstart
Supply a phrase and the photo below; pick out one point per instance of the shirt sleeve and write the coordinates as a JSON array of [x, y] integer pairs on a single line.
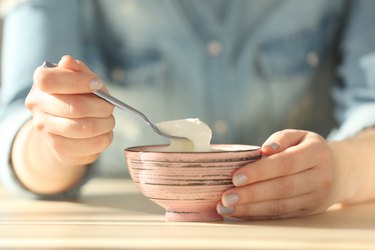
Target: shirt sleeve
[[355, 96], [34, 31]]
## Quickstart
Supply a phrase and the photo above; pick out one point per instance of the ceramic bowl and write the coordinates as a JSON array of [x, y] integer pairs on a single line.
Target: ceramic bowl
[[188, 185]]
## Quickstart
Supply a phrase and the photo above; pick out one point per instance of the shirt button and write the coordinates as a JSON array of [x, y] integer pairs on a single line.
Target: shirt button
[[312, 58], [118, 74], [215, 48], [220, 127]]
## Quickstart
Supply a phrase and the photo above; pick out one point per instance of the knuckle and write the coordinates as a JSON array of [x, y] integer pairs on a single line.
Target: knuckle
[[251, 194], [106, 109], [284, 133], [31, 100], [247, 211], [286, 164], [88, 128], [325, 155], [324, 162], [327, 180], [319, 145], [38, 123], [285, 187], [103, 141], [278, 207], [76, 160], [29, 104], [110, 109], [112, 122], [83, 78], [76, 106], [281, 133], [43, 79], [304, 212], [256, 174], [57, 145], [88, 159]]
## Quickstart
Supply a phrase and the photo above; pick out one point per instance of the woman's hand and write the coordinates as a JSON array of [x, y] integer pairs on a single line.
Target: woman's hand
[[76, 124], [70, 127], [296, 178]]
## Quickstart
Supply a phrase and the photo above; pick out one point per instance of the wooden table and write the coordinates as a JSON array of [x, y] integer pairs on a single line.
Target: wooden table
[[113, 214]]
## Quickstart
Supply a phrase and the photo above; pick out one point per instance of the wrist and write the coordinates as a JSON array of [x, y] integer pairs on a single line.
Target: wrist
[[355, 170], [345, 187], [37, 168]]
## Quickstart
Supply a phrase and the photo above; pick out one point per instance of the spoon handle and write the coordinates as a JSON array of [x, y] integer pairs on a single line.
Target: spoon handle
[[121, 105]]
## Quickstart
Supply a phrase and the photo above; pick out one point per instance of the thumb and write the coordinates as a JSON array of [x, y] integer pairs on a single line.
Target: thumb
[[281, 140], [69, 62]]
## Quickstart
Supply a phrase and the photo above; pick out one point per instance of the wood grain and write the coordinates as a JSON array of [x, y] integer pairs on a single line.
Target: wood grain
[[113, 214]]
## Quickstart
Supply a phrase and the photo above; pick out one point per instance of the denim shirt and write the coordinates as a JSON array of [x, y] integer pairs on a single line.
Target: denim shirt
[[246, 68]]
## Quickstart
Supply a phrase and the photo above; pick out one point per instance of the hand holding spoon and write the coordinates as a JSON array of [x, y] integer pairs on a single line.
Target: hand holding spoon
[[121, 105]]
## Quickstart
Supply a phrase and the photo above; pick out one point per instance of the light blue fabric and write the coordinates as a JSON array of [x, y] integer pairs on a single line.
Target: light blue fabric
[[246, 68]]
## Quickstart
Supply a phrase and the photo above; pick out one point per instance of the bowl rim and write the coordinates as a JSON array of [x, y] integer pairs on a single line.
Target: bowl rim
[[250, 148]]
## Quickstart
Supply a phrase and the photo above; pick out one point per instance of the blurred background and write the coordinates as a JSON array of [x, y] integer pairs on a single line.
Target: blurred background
[[5, 5], [1, 39], [2, 8]]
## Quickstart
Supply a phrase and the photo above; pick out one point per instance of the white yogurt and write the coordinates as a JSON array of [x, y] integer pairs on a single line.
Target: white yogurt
[[197, 132]]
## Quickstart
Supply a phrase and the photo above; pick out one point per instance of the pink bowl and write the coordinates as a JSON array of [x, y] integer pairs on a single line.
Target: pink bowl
[[187, 184]]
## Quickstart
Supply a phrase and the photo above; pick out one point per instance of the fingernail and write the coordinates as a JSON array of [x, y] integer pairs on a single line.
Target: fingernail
[[272, 145], [231, 199], [224, 210], [96, 84], [239, 179]]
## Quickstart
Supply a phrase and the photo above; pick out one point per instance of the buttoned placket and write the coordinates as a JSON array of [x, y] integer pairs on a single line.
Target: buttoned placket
[[210, 31]]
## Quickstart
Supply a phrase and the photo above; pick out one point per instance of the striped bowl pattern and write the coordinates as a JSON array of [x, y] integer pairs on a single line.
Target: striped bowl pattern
[[188, 185]]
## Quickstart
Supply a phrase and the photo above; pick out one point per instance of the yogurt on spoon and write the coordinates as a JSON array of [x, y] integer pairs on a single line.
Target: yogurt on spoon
[[198, 135]]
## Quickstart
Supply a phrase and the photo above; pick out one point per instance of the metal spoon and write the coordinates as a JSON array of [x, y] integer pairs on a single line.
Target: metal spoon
[[121, 105]]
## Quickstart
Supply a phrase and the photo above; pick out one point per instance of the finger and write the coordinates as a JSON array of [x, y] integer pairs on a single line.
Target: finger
[[278, 188], [67, 147], [78, 160], [270, 209], [73, 128], [295, 214], [59, 80], [282, 140], [71, 63], [290, 161], [69, 106]]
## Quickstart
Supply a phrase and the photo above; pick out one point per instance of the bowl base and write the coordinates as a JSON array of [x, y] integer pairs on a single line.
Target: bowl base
[[211, 215]]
